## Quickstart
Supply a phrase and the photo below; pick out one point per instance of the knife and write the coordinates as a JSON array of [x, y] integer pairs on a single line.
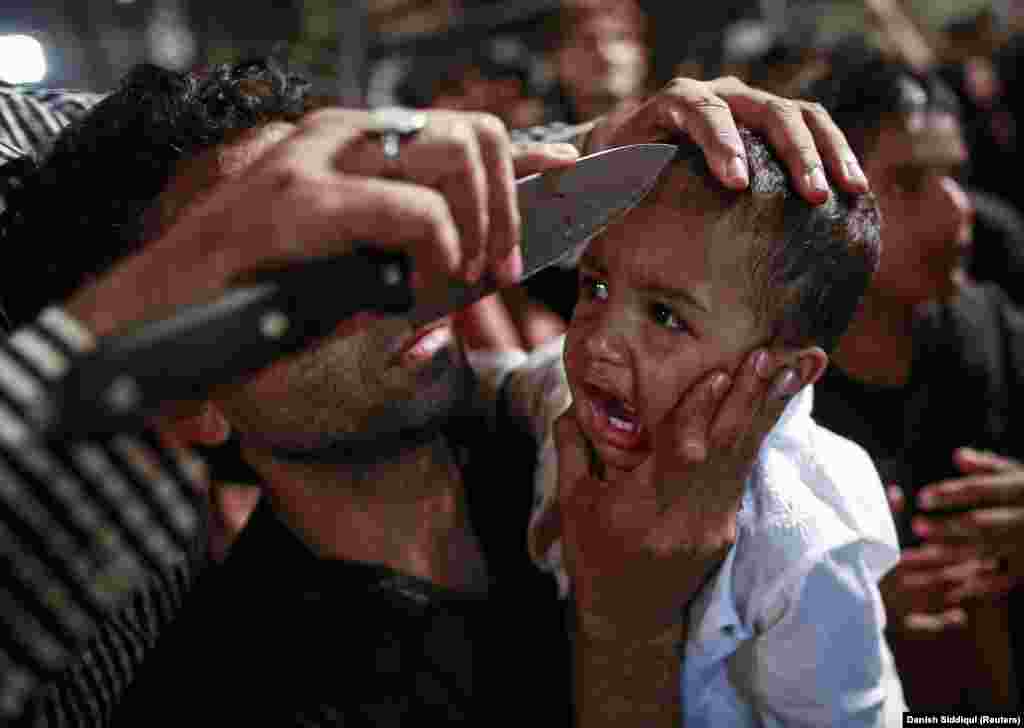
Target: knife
[[131, 375]]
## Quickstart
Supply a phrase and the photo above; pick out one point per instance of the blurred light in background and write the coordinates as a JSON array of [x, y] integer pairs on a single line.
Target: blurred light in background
[[171, 41], [21, 59]]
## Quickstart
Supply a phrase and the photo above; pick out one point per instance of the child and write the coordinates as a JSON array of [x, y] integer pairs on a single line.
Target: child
[[789, 629]]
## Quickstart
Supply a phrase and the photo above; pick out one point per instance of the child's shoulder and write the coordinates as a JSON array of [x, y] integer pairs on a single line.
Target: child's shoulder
[[812, 494]]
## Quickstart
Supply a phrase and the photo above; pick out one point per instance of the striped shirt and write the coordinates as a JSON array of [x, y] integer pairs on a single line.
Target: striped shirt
[[31, 118], [83, 527]]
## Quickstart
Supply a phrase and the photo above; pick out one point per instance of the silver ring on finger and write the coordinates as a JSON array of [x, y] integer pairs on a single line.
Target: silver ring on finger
[[394, 124]]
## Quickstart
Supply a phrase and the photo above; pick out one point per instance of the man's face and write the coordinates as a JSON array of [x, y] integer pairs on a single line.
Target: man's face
[[362, 393], [927, 216], [603, 56], [663, 301]]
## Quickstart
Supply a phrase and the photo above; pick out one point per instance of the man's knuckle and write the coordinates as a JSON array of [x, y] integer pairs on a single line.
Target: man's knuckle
[[782, 108], [816, 109], [682, 86], [708, 103], [491, 127], [807, 154], [291, 175], [730, 82]]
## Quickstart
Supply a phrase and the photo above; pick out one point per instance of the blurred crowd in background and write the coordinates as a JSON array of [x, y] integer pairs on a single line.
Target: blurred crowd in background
[[538, 63]]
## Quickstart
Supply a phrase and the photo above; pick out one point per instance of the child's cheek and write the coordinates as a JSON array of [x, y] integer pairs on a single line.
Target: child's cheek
[[666, 380]]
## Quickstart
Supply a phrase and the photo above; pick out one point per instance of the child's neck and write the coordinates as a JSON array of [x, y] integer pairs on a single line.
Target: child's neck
[[877, 348]]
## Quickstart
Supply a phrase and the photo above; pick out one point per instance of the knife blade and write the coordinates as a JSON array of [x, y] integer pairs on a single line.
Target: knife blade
[[561, 211], [131, 375]]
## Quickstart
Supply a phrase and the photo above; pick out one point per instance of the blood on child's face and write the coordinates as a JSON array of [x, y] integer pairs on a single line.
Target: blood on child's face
[[664, 300]]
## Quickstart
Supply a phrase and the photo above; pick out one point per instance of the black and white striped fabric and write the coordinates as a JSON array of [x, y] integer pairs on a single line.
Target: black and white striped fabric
[[31, 118], [83, 525]]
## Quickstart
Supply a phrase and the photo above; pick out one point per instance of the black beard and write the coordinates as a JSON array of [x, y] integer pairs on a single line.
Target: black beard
[[402, 426]]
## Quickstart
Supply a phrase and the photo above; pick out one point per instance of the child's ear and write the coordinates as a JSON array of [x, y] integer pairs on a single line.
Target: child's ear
[[809, 363]]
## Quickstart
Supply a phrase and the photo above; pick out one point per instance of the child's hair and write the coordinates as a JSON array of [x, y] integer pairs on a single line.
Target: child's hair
[[808, 265]]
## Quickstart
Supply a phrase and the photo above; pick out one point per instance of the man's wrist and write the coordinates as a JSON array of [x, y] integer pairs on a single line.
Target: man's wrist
[[629, 680], [611, 637]]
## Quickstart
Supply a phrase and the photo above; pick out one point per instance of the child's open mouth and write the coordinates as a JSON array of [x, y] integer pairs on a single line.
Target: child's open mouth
[[613, 420]]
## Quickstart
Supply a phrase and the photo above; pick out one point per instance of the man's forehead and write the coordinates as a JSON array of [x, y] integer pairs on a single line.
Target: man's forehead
[[922, 138]]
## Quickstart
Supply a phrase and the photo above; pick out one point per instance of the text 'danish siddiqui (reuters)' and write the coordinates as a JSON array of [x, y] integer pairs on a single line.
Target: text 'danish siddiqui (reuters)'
[[962, 719]]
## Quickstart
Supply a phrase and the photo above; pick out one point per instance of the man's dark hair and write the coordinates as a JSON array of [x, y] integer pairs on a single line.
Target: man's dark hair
[[83, 206], [864, 89], [808, 266]]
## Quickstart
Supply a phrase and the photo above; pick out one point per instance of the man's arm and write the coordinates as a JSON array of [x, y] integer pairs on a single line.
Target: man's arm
[[628, 683], [639, 549], [84, 524]]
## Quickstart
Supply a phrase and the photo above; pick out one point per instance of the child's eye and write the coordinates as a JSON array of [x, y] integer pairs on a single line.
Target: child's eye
[[665, 316], [592, 287]]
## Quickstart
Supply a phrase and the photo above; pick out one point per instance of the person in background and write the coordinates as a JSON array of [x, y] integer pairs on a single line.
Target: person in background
[[498, 76], [601, 58], [929, 378]]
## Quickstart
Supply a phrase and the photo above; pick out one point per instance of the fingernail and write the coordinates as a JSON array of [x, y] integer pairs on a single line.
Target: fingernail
[[855, 173], [921, 527], [816, 180], [510, 269], [926, 499], [718, 384], [762, 365], [736, 170], [694, 451], [473, 269], [787, 384]]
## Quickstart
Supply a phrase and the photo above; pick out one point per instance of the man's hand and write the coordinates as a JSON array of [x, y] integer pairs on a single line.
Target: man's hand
[[992, 495], [926, 592], [466, 157], [802, 133], [639, 544], [314, 189]]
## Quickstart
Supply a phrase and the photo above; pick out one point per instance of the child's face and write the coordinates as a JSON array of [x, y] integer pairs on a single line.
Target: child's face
[[663, 301]]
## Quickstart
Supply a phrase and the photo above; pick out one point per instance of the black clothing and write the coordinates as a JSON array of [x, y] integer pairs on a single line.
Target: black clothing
[[277, 636], [965, 389], [998, 253], [84, 525]]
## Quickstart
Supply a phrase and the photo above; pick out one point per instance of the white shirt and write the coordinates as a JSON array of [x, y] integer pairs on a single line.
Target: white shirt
[[789, 631]]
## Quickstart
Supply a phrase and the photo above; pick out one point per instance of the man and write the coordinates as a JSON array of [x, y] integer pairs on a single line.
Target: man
[[357, 442], [930, 375], [52, 597], [601, 57]]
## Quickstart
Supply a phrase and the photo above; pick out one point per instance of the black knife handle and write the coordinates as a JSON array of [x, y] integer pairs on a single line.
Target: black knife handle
[[131, 376]]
